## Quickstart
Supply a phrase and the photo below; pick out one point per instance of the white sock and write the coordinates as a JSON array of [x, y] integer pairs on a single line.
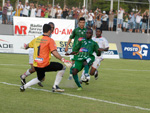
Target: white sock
[[27, 73], [31, 82], [82, 76], [58, 77], [95, 72]]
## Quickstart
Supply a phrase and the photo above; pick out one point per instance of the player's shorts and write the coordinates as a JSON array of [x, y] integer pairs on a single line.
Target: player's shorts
[[73, 57], [31, 52], [78, 65], [97, 62]]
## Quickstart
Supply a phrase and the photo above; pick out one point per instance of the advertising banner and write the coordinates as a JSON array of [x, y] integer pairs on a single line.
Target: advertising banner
[[29, 26], [136, 51]]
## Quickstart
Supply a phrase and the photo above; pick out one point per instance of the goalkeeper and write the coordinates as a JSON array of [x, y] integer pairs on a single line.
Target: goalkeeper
[[43, 47], [84, 50]]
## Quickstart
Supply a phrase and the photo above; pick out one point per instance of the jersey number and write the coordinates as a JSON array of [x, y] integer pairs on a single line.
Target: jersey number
[[38, 50]]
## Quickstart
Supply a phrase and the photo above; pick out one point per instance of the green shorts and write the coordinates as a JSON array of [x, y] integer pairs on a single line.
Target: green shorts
[[78, 65], [74, 57]]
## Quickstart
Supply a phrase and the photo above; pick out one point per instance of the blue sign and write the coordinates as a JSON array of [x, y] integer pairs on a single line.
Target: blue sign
[[136, 51]]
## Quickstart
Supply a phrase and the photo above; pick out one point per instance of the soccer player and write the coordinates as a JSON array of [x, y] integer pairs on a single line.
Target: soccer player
[[103, 46], [77, 34], [43, 47], [84, 50], [31, 52]]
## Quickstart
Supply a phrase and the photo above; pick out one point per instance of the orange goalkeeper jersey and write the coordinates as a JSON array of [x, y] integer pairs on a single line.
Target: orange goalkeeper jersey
[[43, 46]]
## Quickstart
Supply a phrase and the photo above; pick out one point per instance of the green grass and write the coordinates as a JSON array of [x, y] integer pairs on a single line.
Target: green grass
[[121, 81]]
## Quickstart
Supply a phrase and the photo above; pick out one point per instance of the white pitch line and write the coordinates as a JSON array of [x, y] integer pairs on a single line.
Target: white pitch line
[[84, 97], [101, 68]]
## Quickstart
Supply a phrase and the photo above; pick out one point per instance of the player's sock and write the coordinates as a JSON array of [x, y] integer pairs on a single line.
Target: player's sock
[[27, 73], [31, 82], [86, 69], [59, 77], [71, 70], [75, 77], [82, 76]]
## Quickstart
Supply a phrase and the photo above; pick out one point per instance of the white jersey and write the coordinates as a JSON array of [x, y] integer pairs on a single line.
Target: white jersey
[[102, 43]]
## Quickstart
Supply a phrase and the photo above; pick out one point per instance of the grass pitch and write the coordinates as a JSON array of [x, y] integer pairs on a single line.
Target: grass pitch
[[123, 87]]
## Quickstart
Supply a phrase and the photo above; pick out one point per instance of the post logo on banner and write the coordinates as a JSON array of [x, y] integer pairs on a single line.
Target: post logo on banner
[[136, 51]]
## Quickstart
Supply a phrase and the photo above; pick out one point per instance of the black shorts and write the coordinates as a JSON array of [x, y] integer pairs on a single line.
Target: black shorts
[[53, 66]]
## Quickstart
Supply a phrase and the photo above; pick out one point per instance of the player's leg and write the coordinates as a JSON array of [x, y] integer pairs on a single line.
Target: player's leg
[[94, 67], [40, 77], [55, 66], [77, 66]]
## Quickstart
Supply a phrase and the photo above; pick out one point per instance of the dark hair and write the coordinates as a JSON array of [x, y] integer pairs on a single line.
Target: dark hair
[[46, 28], [82, 19], [51, 23], [90, 29], [99, 29]]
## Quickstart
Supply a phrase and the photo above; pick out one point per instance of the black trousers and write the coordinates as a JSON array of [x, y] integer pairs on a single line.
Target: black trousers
[[53, 66]]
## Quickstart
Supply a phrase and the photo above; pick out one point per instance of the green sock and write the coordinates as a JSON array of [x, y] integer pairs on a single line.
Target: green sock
[[75, 77], [86, 69], [71, 70]]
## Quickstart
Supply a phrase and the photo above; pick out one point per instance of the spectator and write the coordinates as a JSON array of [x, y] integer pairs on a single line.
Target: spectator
[[46, 13], [125, 22], [83, 11], [120, 17], [53, 12], [18, 10], [49, 10], [90, 19], [42, 11], [98, 22], [9, 14], [4, 14], [38, 10], [75, 16], [32, 10], [104, 20], [131, 22], [65, 12], [111, 20], [26, 9], [137, 22], [59, 12], [144, 21], [8, 2], [21, 7]]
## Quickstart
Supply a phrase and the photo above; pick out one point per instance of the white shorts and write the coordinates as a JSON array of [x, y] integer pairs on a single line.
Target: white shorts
[[97, 62], [31, 52]]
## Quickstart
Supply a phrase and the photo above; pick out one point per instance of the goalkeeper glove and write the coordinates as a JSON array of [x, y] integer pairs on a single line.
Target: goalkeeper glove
[[24, 47], [66, 62]]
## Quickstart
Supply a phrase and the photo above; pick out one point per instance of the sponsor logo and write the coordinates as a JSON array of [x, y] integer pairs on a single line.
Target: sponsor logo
[[81, 38], [135, 51], [5, 44], [140, 50], [39, 60], [83, 50]]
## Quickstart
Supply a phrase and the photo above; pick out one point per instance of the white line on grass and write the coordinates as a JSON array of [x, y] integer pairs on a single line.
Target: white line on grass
[[102, 68], [83, 97]]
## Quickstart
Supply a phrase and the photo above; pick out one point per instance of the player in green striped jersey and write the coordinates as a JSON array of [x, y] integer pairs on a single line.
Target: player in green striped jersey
[[84, 56], [77, 35]]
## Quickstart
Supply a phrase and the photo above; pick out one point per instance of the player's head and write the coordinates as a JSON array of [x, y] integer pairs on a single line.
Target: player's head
[[52, 26], [98, 32], [47, 29], [81, 22], [89, 33]]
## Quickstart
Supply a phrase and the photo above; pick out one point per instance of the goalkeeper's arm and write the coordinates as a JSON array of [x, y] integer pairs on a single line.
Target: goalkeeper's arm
[[58, 56]]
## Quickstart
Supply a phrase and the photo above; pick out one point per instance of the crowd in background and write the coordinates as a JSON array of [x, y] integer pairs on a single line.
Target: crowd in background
[[94, 19]]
